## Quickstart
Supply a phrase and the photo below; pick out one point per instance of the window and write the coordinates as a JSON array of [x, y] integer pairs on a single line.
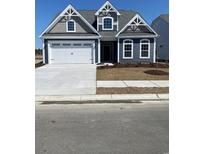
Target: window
[[71, 26], [127, 49], [145, 48], [55, 44], [87, 44], [107, 23], [66, 44], [76, 44]]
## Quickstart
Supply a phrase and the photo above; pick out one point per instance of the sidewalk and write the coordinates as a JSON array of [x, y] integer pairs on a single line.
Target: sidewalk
[[132, 83], [114, 97]]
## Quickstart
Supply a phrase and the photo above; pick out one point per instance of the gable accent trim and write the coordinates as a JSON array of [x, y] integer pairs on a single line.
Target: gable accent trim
[[107, 3], [62, 14], [136, 16]]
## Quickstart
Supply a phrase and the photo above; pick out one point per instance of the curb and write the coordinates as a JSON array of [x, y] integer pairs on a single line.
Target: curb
[[114, 97]]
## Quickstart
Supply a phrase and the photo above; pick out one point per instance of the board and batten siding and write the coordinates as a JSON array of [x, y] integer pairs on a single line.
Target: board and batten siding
[[136, 51]]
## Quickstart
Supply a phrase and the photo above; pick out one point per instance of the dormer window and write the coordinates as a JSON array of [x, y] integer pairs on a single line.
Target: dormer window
[[71, 27], [107, 23]]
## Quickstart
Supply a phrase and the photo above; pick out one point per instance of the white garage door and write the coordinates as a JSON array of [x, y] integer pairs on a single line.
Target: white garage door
[[71, 53]]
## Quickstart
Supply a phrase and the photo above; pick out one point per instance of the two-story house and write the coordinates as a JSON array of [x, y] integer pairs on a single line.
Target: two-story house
[[98, 36]]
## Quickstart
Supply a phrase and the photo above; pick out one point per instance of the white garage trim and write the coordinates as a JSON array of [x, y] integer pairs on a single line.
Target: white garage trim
[[64, 46], [43, 51], [99, 52], [49, 53]]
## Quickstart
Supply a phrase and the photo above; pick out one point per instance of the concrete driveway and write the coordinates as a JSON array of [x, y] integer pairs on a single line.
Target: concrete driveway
[[66, 79]]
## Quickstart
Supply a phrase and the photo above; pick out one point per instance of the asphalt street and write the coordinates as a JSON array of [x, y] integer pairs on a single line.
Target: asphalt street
[[103, 129]]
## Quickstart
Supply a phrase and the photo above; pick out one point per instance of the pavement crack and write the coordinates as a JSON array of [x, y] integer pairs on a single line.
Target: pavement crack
[[158, 96], [154, 83], [125, 83]]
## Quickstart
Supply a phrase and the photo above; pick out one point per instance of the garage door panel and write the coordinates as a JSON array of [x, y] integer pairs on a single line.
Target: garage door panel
[[82, 55], [59, 55], [71, 55]]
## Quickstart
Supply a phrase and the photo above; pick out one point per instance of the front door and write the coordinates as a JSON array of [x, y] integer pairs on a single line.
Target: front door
[[108, 52]]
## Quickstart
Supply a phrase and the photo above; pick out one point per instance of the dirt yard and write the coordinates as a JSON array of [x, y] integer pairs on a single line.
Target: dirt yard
[[133, 73]]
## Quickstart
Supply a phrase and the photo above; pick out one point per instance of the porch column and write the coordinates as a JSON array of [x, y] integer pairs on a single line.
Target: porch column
[[154, 56], [99, 52]]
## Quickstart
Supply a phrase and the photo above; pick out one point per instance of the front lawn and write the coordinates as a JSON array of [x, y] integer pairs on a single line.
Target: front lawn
[[133, 72], [132, 90]]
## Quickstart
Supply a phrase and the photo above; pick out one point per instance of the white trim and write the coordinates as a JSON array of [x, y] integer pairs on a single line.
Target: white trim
[[107, 3], [74, 25], [99, 51], [136, 16], [124, 48], [118, 50], [154, 56], [117, 23], [62, 14], [103, 18], [148, 48], [49, 53], [97, 24], [71, 41], [93, 50], [139, 36], [44, 59], [70, 37]]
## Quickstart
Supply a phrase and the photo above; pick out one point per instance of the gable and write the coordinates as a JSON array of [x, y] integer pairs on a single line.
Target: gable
[[61, 25], [106, 8], [137, 26], [67, 14]]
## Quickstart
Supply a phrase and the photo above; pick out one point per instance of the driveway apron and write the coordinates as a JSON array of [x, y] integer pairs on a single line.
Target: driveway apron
[[65, 79]]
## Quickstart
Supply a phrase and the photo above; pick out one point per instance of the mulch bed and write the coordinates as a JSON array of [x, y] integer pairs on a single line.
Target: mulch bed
[[133, 90], [156, 72]]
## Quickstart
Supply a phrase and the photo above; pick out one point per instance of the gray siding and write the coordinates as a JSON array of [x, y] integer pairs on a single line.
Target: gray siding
[[46, 47], [114, 28], [136, 52], [162, 28], [81, 27], [110, 14]]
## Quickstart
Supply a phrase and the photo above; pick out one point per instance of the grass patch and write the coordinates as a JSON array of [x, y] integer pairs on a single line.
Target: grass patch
[[88, 102], [133, 90]]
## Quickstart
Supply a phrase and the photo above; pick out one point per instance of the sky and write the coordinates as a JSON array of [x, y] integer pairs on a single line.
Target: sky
[[46, 10]]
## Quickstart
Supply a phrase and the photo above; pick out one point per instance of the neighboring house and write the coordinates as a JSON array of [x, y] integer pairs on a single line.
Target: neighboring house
[[98, 36], [161, 26]]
